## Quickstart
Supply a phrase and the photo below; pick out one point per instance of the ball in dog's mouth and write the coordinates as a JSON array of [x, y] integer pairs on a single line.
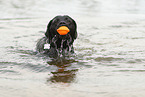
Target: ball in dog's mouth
[[63, 30]]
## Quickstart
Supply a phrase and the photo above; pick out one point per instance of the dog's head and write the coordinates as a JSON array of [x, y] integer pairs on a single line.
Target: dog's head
[[58, 23]]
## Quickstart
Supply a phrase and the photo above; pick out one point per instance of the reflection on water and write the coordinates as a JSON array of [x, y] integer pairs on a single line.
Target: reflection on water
[[62, 74]]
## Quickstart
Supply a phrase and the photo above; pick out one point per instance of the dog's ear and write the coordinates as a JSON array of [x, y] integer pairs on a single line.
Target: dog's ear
[[75, 34], [47, 33]]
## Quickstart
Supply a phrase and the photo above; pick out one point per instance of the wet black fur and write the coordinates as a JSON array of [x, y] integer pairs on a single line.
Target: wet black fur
[[51, 32]]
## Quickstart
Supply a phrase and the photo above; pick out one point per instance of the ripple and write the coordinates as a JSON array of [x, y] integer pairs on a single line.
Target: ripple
[[127, 70], [99, 59], [9, 72], [134, 61], [7, 68]]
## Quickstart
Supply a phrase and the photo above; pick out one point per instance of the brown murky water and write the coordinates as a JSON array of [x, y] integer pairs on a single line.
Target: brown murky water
[[110, 49]]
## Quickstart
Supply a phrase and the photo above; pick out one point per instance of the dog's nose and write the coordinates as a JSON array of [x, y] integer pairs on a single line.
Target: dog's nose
[[62, 22]]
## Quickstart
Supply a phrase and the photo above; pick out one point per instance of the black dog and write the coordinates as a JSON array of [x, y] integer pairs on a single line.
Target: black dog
[[59, 37]]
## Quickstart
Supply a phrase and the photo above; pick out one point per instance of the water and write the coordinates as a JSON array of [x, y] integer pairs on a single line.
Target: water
[[110, 53]]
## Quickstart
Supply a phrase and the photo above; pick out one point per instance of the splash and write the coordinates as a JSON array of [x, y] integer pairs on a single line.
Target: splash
[[61, 48], [68, 43], [62, 51]]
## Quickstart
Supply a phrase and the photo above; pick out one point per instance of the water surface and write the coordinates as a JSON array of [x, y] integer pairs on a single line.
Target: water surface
[[110, 52]]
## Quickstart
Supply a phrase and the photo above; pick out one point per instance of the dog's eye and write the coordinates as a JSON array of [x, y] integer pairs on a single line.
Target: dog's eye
[[68, 20], [56, 20]]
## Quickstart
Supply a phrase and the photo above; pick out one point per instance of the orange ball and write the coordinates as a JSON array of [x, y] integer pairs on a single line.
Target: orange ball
[[63, 30]]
